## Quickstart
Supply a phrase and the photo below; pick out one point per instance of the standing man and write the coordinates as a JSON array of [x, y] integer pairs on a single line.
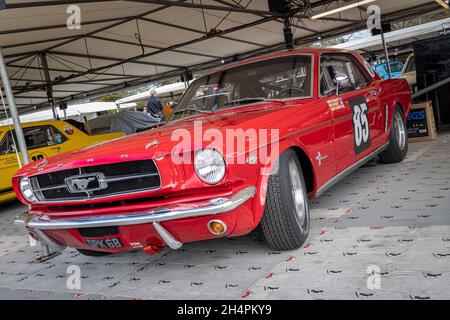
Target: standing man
[[154, 106]]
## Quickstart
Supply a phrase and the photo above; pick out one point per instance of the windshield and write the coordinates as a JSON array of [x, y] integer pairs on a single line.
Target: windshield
[[396, 66], [411, 65], [277, 78]]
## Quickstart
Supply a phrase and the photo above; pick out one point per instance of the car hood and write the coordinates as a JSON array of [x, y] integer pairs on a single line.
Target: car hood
[[159, 142]]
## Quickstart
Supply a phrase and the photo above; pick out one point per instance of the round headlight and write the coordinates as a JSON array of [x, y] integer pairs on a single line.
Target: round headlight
[[26, 191], [209, 166]]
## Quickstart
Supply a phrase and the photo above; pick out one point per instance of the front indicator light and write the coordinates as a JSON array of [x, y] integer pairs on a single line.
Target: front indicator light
[[26, 190], [217, 227]]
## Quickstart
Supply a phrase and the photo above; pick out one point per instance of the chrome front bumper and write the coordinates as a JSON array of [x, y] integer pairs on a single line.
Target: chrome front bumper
[[213, 207]]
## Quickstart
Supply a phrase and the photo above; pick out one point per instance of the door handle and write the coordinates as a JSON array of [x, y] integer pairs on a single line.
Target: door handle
[[56, 148]]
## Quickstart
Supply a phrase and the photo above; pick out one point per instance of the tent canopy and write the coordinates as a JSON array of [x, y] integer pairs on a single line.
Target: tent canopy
[[398, 38], [163, 91], [128, 43], [78, 110]]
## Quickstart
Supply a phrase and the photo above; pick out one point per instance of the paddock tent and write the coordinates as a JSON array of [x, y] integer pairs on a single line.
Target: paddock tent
[[119, 44]]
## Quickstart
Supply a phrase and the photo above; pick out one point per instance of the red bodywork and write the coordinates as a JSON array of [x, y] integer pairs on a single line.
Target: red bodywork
[[310, 125]]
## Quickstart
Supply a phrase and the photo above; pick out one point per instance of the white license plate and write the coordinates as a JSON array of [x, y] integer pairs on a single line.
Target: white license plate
[[108, 243]]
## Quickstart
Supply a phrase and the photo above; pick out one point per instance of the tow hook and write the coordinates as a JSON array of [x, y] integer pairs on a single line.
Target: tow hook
[[152, 249]]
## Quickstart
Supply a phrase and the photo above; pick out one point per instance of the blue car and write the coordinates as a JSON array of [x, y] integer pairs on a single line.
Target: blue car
[[396, 69]]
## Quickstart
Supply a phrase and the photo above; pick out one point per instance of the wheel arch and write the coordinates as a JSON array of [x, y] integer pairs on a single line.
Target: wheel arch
[[404, 109], [391, 105], [403, 101], [397, 103], [307, 169]]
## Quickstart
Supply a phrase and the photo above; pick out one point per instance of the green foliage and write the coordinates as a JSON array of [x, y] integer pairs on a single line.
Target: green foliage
[[110, 97]]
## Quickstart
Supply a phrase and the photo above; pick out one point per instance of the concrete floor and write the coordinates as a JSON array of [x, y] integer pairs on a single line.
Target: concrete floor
[[393, 220]]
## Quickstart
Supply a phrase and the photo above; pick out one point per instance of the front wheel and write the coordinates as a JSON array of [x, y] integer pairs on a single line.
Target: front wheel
[[398, 146], [285, 222]]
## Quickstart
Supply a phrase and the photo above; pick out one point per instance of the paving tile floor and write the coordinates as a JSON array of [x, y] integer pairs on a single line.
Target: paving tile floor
[[382, 233]]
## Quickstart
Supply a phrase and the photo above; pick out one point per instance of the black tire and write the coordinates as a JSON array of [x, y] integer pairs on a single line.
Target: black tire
[[92, 253], [282, 227], [397, 150]]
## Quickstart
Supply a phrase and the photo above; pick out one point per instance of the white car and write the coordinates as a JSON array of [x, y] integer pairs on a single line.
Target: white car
[[409, 71]]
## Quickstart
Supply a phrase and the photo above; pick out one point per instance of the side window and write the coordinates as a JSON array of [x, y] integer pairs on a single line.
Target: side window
[[369, 69], [359, 78], [327, 85], [344, 74], [35, 137], [7, 145], [44, 136]]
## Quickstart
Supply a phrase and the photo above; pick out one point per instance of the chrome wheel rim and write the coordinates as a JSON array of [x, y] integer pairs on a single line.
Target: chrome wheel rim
[[400, 130], [297, 191]]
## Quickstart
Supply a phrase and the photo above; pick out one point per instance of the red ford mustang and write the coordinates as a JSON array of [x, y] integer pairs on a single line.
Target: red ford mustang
[[301, 121]]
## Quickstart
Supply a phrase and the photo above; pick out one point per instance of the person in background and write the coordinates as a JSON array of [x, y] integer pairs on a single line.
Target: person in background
[[168, 108], [154, 106]]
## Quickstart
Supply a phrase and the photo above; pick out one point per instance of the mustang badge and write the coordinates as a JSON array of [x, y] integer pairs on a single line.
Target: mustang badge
[[86, 183], [81, 184]]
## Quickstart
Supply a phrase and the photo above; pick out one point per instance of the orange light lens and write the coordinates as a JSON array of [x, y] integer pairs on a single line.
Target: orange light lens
[[216, 227]]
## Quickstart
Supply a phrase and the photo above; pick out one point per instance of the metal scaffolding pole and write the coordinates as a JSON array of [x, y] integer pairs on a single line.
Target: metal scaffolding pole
[[13, 110], [48, 88], [386, 53]]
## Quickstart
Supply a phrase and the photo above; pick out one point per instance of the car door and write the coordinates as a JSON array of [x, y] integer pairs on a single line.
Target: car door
[[355, 104], [8, 161], [42, 141]]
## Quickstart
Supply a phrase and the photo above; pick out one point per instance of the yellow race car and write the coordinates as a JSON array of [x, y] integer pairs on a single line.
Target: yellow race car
[[43, 139]]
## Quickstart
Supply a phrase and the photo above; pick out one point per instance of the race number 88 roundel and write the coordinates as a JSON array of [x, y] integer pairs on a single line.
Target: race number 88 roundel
[[360, 121]]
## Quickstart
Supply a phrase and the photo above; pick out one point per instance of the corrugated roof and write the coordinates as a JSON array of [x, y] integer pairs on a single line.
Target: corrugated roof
[[127, 43]]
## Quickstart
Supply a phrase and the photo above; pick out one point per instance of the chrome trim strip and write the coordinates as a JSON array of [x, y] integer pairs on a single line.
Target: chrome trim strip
[[386, 122], [111, 179], [132, 177], [38, 189], [167, 237], [349, 170], [215, 206], [61, 186], [78, 200]]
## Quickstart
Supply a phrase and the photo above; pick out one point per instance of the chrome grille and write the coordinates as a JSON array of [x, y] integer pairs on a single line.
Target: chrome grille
[[110, 180]]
